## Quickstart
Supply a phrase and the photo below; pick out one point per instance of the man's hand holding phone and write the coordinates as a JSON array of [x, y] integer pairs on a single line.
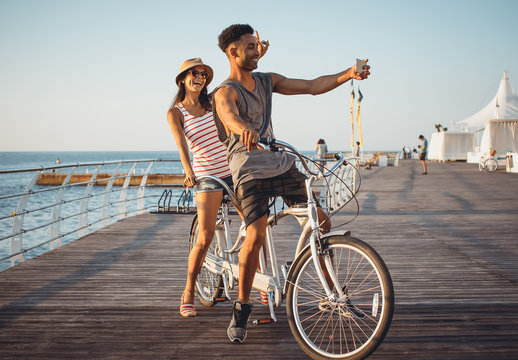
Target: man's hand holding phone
[[361, 69]]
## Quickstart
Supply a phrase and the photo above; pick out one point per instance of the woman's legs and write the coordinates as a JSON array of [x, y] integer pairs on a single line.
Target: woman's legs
[[208, 204]]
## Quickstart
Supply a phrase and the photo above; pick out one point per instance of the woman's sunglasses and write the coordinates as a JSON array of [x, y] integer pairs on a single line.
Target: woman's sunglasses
[[197, 73]]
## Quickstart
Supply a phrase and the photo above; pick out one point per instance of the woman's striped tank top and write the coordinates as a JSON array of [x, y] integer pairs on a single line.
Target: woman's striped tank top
[[209, 154]]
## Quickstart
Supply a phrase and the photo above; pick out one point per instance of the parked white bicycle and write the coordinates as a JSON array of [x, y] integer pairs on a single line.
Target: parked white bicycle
[[339, 293], [488, 163]]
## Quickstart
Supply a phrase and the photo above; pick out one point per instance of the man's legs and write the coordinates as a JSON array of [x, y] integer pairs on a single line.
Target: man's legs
[[249, 253], [424, 167], [249, 256], [248, 263]]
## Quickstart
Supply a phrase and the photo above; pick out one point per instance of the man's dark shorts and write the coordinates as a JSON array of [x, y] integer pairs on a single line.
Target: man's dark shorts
[[253, 196], [422, 156]]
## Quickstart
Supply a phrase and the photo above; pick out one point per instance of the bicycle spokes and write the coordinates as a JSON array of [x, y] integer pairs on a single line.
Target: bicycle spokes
[[355, 317]]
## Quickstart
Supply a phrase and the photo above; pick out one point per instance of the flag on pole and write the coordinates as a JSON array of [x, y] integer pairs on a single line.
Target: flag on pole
[[352, 116], [358, 117]]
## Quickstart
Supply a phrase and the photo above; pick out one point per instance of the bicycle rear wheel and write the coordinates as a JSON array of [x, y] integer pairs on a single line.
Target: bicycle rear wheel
[[491, 164], [353, 326], [208, 285]]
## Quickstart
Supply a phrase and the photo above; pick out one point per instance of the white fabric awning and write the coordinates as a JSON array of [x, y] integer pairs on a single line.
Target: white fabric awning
[[503, 106], [500, 135]]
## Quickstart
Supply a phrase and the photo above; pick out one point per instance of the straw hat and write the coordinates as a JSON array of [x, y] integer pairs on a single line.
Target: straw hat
[[189, 64]]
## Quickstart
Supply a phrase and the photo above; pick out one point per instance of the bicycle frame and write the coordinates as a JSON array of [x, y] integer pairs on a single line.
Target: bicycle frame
[[225, 265], [307, 217]]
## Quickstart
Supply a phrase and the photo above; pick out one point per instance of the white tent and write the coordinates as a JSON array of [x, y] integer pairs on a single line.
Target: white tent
[[447, 145], [500, 135], [498, 120], [503, 106]]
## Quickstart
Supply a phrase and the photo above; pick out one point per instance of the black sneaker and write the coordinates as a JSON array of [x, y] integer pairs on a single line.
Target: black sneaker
[[236, 331]]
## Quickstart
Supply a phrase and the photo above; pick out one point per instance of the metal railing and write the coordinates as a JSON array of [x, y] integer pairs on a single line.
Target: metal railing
[[41, 218], [87, 210]]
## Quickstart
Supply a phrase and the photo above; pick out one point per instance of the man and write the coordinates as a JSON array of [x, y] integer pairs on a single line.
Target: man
[[243, 114], [423, 150]]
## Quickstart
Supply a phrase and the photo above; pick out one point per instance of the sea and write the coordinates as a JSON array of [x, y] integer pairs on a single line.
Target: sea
[[16, 183], [40, 203]]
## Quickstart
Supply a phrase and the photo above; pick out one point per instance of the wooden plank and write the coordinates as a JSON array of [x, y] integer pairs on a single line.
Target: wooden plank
[[448, 238], [57, 179]]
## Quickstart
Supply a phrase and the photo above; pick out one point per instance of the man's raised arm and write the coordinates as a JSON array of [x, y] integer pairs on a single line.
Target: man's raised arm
[[225, 99], [320, 85]]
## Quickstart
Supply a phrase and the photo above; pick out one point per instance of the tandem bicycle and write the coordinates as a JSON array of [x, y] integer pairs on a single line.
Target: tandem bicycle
[[338, 291]]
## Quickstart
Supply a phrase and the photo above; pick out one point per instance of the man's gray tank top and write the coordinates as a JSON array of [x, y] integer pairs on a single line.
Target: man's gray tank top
[[254, 109]]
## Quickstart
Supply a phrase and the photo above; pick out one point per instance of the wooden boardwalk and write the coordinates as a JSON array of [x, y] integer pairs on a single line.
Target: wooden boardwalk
[[449, 239]]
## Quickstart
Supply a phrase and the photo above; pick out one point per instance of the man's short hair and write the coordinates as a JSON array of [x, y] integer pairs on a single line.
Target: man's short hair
[[421, 137], [233, 33]]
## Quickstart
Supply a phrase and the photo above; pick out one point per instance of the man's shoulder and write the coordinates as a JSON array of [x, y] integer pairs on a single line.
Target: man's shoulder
[[263, 75], [224, 90], [264, 78]]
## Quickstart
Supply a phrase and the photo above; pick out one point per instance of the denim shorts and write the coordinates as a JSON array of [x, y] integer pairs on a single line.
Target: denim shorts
[[210, 185]]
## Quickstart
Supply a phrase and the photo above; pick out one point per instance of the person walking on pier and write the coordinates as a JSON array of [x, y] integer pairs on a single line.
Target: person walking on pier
[[191, 121], [357, 151], [423, 150], [243, 114], [321, 150]]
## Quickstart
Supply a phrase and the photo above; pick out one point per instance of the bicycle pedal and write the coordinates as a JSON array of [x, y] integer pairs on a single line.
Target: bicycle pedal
[[221, 299], [263, 321]]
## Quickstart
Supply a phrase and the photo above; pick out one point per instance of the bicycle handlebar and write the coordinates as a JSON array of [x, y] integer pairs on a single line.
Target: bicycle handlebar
[[276, 145]]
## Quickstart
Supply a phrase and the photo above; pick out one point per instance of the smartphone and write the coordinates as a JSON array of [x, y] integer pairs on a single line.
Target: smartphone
[[359, 65]]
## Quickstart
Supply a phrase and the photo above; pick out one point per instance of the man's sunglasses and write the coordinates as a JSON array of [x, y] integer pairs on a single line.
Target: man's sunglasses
[[197, 73]]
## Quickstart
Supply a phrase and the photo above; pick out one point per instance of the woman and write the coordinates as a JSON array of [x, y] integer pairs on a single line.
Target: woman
[[191, 121], [192, 124]]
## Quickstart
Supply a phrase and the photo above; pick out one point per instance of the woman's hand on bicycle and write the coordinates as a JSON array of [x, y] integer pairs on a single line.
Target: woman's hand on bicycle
[[190, 180]]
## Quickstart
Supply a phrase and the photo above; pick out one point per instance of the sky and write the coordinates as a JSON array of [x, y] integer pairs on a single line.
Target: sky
[[99, 75]]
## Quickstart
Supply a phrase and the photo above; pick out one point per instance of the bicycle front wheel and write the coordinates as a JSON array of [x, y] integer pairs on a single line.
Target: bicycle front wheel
[[209, 286], [347, 327], [491, 164], [481, 166]]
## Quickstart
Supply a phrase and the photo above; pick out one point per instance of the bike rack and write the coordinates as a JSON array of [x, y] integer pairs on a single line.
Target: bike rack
[[185, 201], [164, 202]]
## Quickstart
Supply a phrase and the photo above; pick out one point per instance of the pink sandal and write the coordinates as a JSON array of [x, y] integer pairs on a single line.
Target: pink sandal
[[186, 309]]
